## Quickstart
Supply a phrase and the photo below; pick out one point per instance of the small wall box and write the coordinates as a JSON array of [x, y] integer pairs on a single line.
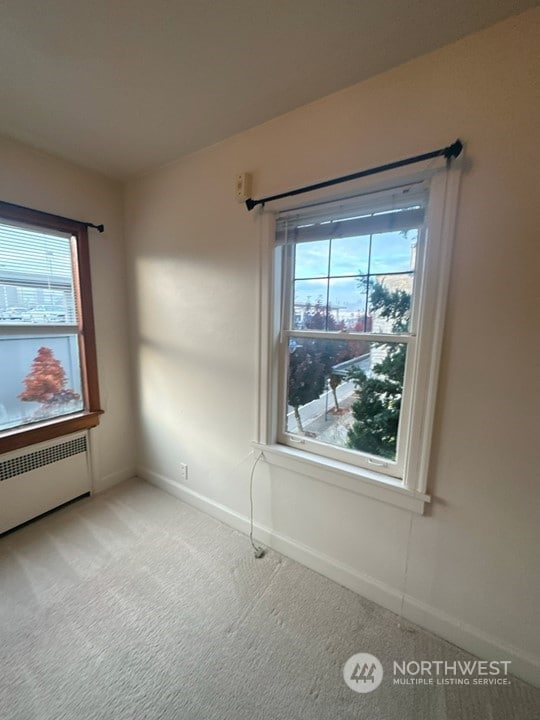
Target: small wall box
[[243, 186]]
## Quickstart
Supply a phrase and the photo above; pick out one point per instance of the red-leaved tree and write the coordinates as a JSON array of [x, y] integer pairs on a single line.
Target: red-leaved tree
[[46, 381]]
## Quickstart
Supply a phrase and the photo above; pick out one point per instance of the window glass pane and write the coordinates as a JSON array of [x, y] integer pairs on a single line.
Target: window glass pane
[[389, 306], [36, 277], [40, 378], [310, 304], [347, 304], [349, 256], [312, 259], [378, 299], [346, 393], [393, 252]]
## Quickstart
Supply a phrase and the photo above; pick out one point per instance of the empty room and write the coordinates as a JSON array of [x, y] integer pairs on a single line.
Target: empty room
[[269, 360]]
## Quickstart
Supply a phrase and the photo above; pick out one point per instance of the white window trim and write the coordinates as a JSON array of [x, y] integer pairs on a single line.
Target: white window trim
[[410, 493]]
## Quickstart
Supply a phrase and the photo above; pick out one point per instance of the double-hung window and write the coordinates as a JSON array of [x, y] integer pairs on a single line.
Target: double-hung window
[[353, 331], [48, 377]]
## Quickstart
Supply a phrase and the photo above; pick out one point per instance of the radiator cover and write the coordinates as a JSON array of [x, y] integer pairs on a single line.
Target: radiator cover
[[42, 477], [34, 460]]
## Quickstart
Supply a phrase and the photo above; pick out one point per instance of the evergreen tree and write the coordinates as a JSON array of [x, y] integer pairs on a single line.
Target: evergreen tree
[[376, 411]]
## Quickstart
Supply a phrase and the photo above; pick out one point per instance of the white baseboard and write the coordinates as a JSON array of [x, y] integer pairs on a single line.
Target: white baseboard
[[465, 636], [108, 481]]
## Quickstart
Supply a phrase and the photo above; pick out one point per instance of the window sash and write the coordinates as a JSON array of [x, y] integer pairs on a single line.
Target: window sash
[[393, 468], [397, 218], [350, 335]]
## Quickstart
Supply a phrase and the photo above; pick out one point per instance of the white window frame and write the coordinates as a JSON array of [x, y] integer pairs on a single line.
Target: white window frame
[[404, 486]]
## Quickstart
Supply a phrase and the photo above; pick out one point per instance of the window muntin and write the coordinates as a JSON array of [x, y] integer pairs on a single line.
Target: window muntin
[[48, 383], [351, 274]]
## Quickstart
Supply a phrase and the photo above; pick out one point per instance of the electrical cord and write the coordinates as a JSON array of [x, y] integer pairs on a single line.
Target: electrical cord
[[258, 551], [401, 625]]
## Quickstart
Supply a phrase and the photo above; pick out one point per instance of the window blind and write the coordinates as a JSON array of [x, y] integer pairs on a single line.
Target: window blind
[[38, 265], [390, 211]]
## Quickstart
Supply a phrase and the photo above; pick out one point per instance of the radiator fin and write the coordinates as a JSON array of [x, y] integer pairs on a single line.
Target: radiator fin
[[39, 458]]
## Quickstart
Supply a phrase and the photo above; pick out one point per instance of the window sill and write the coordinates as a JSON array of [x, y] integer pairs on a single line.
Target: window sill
[[21, 437], [349, 477]]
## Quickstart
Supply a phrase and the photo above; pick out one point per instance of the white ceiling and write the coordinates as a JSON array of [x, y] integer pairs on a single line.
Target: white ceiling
[[125, 85]]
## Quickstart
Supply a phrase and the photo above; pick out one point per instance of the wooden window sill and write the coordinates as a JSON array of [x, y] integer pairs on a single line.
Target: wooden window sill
[[20, 437]]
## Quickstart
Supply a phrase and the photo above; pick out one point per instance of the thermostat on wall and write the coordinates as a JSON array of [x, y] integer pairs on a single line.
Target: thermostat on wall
[[243, 186]]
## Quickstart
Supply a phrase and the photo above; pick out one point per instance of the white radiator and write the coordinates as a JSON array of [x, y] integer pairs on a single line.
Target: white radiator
[[42, 477]]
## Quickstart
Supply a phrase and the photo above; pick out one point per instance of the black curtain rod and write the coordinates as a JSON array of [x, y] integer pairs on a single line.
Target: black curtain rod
[[12, 206], [449, 152]]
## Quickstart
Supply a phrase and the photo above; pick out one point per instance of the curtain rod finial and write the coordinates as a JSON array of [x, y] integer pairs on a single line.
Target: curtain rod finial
[[453, 150], [250, 204], [99, 228]]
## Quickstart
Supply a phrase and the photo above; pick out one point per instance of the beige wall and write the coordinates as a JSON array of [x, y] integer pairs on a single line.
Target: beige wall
[[473, 560], [39, 181]]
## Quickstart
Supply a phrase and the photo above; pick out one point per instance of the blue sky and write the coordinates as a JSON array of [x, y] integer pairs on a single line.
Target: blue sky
[[390, 253]]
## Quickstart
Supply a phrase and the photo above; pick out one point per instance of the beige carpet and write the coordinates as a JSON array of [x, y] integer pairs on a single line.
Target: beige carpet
[[133, 605]]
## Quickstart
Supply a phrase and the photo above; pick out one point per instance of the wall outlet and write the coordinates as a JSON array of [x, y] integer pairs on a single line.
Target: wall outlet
[[183, 471]]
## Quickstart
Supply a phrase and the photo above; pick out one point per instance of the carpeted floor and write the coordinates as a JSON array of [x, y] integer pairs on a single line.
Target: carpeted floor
[[132, 605]]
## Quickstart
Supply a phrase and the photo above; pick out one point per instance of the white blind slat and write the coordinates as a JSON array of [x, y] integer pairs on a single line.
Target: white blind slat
[[351, 227], [36, 271], [389, 211]]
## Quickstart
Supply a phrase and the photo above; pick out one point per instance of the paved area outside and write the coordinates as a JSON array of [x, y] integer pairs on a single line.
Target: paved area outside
[[320, 419]]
